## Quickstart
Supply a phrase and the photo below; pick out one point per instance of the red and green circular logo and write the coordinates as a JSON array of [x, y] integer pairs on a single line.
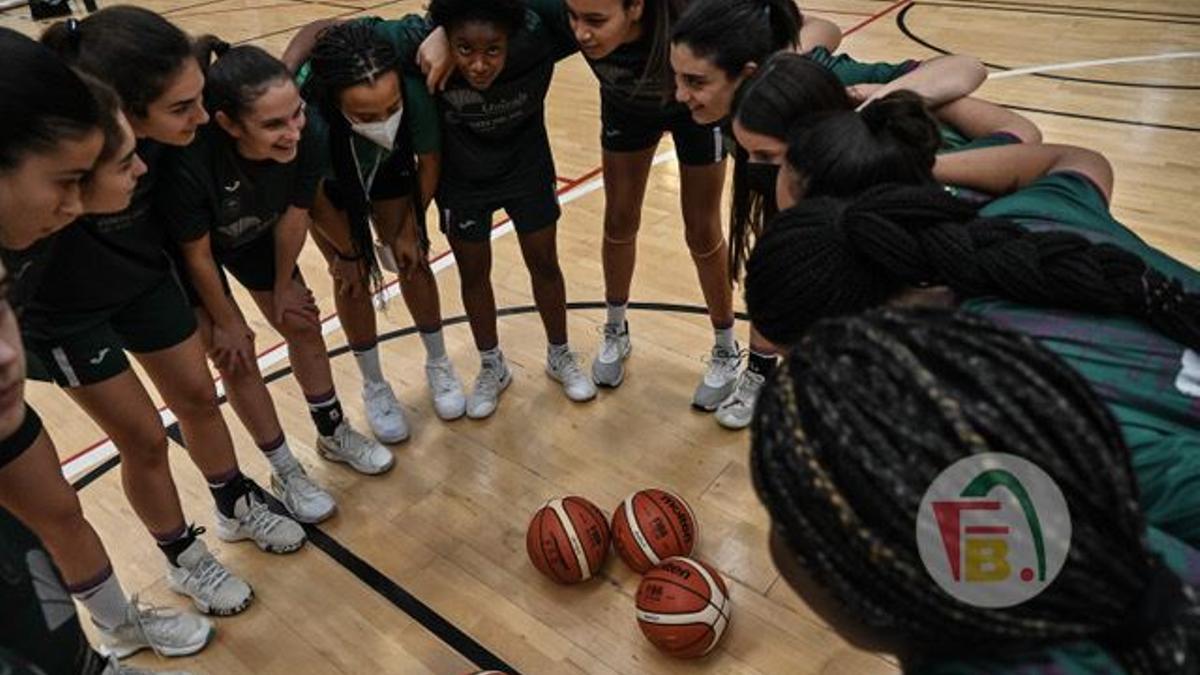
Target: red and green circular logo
[[993, 530]]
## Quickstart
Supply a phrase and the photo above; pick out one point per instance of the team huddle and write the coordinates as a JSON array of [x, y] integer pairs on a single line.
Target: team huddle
[[926, 280]]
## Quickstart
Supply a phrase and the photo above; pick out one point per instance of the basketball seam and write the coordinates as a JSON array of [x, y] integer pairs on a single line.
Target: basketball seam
[[670, 521], [707, 601], [572, 534], [635, 531]]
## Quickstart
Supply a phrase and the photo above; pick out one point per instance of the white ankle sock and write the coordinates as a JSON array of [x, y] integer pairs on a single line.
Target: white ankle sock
[[368, 364], [281, 458], [435, 345], [616, 314], [106, 602], [725, 338]]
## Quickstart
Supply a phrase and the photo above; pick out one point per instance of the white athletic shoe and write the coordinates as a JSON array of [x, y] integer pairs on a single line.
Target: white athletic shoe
[[115, 667], [494, 377], [304, 499], [736, 411], [253, 520], [168, 632], [446, 389], [608, 368], [363, 454], [564, 368], [384, 414], [212, 588], [719, 379]]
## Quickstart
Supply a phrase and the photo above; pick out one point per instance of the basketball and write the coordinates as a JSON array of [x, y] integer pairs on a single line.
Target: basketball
[[683, 607], [568, 539], [653, 525]]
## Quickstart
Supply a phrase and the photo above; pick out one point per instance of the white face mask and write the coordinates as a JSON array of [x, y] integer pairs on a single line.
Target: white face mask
[[382, 133]]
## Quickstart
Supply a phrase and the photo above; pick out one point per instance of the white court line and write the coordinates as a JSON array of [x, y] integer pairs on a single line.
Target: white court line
[[1031, 70], [100, 454]]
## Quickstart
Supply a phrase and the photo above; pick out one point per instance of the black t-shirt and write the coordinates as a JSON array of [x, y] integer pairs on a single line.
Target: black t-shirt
[[38, 624], [26, 269], [99, 264], [209, 189], [624, 84]]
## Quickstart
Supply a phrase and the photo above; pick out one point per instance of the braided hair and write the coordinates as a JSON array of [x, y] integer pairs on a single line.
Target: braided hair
[[787, 88], [346, 55], [830, 257], [508, 15], [864, 414]]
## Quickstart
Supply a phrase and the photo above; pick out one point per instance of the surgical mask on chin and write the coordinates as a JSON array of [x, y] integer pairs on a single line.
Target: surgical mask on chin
[[382, 133]]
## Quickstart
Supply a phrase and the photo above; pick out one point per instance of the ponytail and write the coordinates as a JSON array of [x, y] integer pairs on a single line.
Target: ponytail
[[735, 33], [831, 257], [840, 154], [238, 76], [134, 50]]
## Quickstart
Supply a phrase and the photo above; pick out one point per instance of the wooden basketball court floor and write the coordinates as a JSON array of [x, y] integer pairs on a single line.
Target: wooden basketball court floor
[[424, 569]]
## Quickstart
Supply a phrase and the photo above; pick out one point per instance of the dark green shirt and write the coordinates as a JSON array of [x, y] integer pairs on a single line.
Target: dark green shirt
[[494, 142], [1150, 382], [100, 263], [209, 189], [852, 72]]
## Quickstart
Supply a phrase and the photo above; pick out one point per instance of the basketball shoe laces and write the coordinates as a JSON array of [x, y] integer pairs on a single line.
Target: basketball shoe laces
[[155, 623], [723, 363], [207, 575], [441, 376], [489, 380]]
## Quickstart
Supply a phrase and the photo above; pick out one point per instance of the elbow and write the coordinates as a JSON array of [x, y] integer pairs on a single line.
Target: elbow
[[1026, 131], [974, 72]]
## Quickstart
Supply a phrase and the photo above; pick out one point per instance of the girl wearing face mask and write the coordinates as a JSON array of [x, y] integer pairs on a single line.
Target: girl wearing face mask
[[497, 155], [109, 289], [64, 149], [379, 135], [716, 50], [238, 200]]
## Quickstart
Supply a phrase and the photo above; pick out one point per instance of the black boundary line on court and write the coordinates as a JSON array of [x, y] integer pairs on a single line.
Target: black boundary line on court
[[1086, 8], [342, 15], [902, 24], [1097, 118], [377, 581]]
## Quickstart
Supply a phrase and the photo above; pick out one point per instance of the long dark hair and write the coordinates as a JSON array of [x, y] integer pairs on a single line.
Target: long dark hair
[[346, 55], [787, 88], [831, 257], [236, 77], [509, 15], [134, 50], [734, 33], [866, 411], [42, 101]]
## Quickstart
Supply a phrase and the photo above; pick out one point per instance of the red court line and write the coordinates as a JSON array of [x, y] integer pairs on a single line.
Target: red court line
[[877, 16], [568, 185]]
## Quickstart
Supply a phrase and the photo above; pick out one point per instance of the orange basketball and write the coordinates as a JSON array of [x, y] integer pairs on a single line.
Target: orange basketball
[[651, 526], [568, 539], [683, 607]]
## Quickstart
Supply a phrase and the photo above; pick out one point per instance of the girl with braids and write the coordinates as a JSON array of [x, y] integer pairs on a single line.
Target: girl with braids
[[370, 121], [109, 288], [1048, 260], [238, 199], [712, 70], [932, 388], [65, 146], [496, 154], [626, 43]]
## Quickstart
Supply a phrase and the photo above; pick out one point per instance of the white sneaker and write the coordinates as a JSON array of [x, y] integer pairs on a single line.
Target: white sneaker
[[363, 454], [115, 667], [564, 368], [384, 414], [304, 499], [446, 389], [212, 588], [737, 411], [719, 380], [494, 377], [168, 632], [608, 368], [253, 520]]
